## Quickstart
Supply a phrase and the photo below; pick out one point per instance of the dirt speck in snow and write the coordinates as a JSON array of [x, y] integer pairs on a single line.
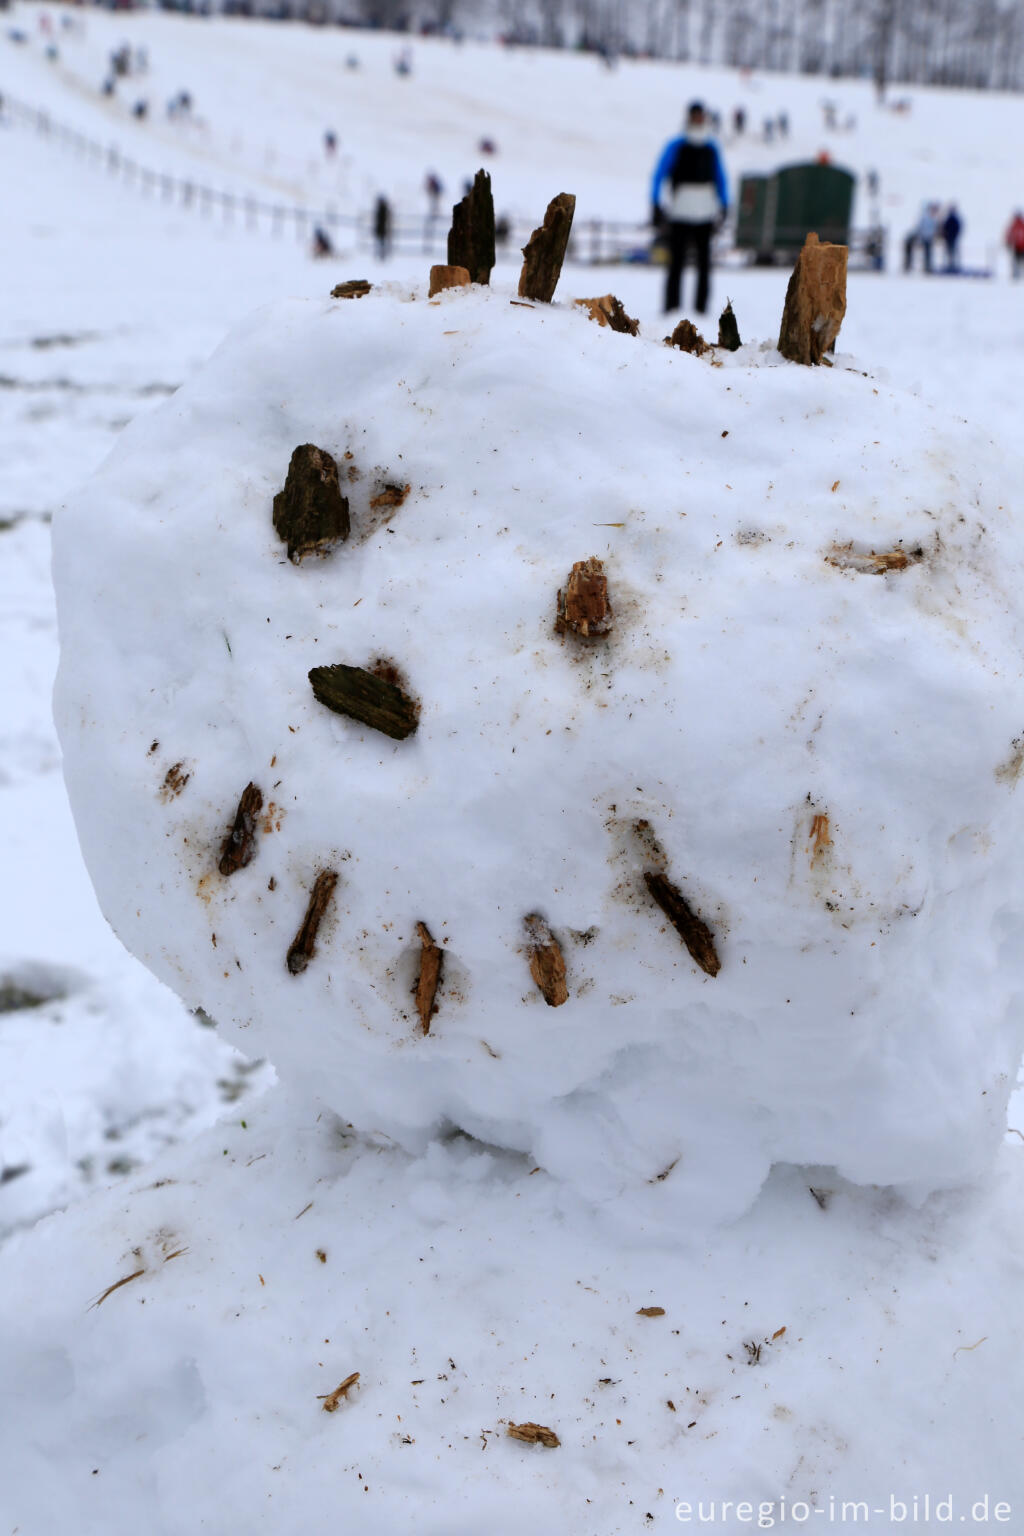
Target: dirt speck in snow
[[174, 782]]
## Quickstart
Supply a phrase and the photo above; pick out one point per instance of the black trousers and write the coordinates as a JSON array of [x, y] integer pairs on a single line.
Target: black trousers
[[680, 238]]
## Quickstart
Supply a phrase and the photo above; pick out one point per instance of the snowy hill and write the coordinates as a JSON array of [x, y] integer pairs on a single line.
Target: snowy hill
[[264, 94], [272, 1256]]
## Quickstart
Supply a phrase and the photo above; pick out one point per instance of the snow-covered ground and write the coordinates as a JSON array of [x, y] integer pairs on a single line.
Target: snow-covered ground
[[466, 1288]]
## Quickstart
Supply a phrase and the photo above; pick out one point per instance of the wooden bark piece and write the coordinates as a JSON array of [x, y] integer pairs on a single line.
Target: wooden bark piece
[[544, 252], [355, 288], [583, 608], [429, 978], [303, 946], [240, 843], [447, 277], [728, 330], [608, 310], [471, 237], [534, 1434], [846, 558], [687, 338], [815, 302], [695, 933], [332, 1399], [311, 514], [547, 965], [374, 700]]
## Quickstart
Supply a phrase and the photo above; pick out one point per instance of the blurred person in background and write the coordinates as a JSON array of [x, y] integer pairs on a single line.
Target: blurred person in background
[[952, 226], [1015, 244], [689, 200], [382, 227], [322, 242], [433, 186], [923, 235]]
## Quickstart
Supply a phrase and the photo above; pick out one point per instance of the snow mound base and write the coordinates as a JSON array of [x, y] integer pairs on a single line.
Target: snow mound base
[[693, 848]]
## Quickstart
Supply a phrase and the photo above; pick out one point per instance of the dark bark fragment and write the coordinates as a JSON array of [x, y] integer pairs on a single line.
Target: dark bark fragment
[[376, 701], [355, 288], [695, 933], [687, 338], [240, 843], [544, 252], [471, 237], [311, 514], [728, 330], [303, 946]]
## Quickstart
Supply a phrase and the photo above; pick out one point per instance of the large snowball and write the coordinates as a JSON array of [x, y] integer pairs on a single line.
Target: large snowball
[[814, 745]]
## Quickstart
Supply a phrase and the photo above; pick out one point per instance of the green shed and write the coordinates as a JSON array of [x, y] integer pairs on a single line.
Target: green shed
[[776, 213]]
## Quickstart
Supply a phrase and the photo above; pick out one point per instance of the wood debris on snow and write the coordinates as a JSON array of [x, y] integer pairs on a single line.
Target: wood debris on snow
[[534, 1434], [240, 844], [332, 1399]]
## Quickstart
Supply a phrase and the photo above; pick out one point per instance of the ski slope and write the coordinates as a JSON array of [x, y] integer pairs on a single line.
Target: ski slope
[[264, 94]]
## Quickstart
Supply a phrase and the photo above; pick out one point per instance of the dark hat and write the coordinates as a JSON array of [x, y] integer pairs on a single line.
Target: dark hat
[[694, 107]]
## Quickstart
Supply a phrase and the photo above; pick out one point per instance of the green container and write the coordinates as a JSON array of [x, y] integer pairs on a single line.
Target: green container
[[776, 213]]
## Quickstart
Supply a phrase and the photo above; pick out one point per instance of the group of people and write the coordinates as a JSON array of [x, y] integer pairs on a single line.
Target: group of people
[[932, 226], [935, 226]]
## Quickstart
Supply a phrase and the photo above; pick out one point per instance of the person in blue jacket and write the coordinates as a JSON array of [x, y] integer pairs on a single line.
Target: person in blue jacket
[[689, 200]]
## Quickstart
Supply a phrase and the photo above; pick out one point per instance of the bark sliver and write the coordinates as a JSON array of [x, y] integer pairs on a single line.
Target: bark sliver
[[368, 697], [311, 514], [815, 302], [240, 843], [303, 946], [695, 933], [534, 1434], [607, 310], [545, 250], [429, 978]]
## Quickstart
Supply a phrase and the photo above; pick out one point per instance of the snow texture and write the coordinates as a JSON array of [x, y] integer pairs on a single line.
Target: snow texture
[[818, 746]]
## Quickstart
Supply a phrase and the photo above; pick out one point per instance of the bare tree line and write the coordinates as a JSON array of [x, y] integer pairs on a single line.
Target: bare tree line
[[976, 43]]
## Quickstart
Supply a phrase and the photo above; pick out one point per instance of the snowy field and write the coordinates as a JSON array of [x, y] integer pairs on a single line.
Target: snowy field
[[275, 1252]]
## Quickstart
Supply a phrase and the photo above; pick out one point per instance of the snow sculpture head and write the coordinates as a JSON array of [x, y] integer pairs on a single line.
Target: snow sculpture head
[[622, 770]]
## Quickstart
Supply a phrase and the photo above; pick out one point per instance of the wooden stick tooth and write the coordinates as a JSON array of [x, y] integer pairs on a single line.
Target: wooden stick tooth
[[303, 946], [545, 250], [240, 844], [547, 963], [693, 931], [429, 978]]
